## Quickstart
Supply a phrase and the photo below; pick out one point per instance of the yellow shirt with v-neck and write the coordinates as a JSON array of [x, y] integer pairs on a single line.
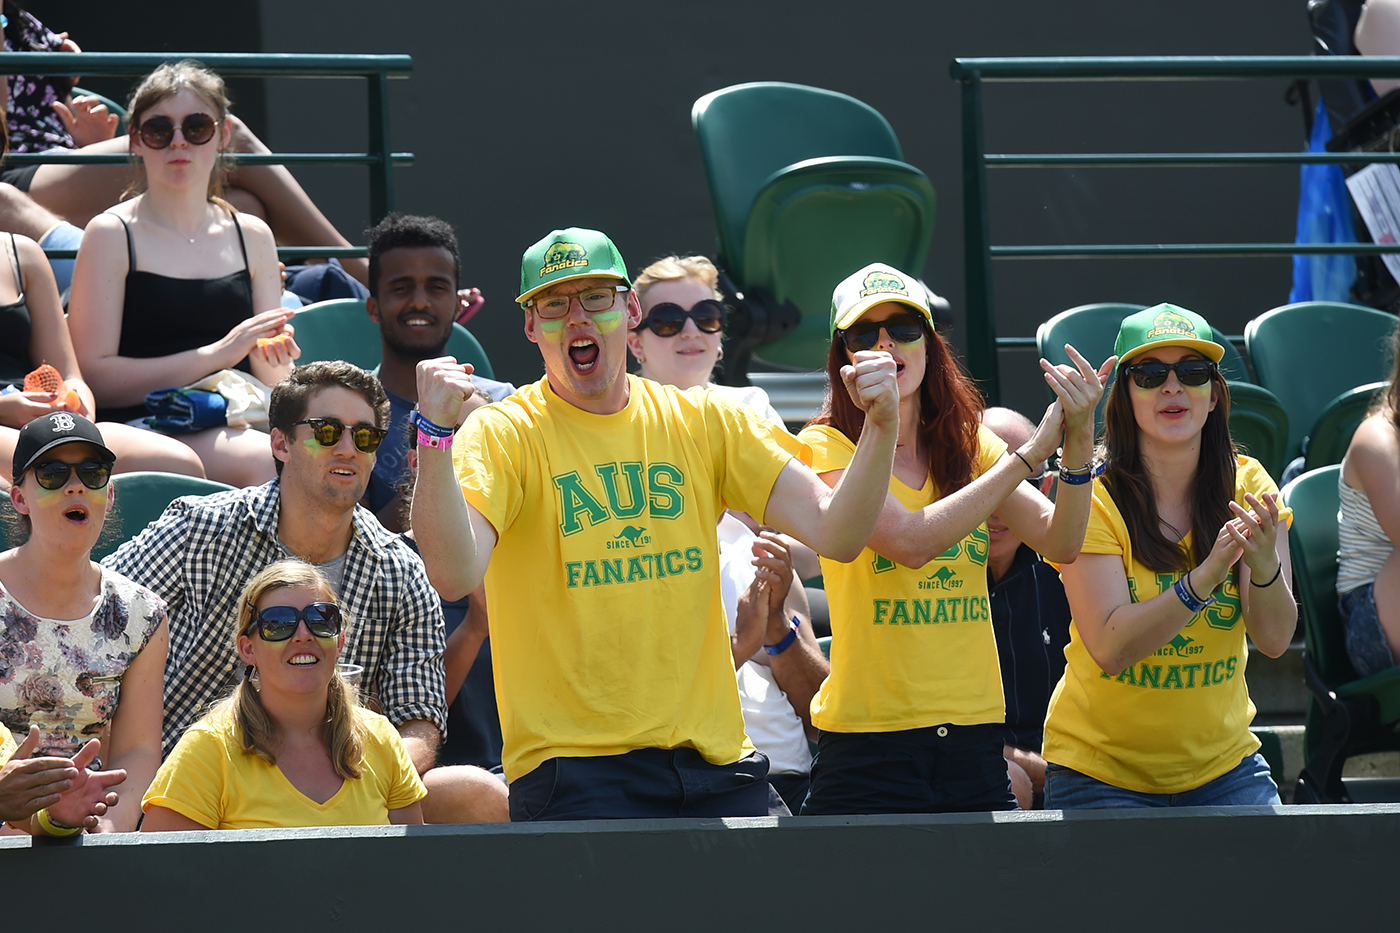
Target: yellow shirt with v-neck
[[210, 779], [910, 647]]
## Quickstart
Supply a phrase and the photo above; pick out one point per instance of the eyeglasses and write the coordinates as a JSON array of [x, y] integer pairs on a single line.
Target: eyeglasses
[[593, 301], [279, 623], [327, 432], [863, 335], [53, 474], [158, 132], [1188, 373], [668, 319]]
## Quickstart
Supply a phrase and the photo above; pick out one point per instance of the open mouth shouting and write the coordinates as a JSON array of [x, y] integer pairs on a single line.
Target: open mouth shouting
[[76, 514], [583, 353]]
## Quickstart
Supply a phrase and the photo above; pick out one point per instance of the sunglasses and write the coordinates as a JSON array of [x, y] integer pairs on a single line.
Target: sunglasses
[[53, 474], [1188, 373], [863, 335], [279, 623], [158, 132], [327, 433], [668, 319]]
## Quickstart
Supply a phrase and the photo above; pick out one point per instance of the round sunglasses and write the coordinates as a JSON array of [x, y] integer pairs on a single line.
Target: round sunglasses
[[327, 432], [668, 318], [158, 132], [53, 474], [279, 623], [1188, 373], [863, 335]]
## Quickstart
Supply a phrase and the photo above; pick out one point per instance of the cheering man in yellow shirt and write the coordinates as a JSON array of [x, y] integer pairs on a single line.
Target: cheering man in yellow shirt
[[588, 502]]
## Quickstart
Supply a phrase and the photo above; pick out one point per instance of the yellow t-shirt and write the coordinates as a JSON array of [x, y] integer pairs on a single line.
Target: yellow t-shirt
[[1173, 721], [910, 647], [607, 629], [213, 781], [7, 745]]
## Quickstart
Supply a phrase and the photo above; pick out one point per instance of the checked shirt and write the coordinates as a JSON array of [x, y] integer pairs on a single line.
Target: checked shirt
[[200, 554]]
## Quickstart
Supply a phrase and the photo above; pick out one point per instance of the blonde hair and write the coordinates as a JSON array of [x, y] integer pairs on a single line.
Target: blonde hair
[[165, 82], [676, 269], [260, 735]]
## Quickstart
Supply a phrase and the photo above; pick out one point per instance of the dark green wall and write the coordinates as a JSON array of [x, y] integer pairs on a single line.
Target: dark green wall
[[1302, 868]]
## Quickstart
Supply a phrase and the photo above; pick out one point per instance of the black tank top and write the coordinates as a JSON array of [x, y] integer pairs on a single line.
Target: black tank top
[[16, 331], [162, 315]]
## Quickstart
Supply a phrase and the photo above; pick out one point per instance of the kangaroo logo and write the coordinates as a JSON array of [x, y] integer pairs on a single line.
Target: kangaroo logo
[[563, 256], [1182, 645], [878, 283], [944, 578], [630, 536]]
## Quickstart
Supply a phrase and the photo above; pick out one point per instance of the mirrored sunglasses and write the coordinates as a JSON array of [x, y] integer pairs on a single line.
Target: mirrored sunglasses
[[279, 623], [53, 474], [668, 318], [327, 433]]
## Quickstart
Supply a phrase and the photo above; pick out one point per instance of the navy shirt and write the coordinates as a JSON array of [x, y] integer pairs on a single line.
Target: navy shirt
[[1030, 616]]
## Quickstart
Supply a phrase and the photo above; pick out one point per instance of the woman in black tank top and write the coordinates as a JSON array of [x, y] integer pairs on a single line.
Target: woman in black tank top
[[173, 284]]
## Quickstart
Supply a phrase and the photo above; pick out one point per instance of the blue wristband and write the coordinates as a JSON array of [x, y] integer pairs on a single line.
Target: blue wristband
[[429, 428], [1080, 477], [1183, 593], [787, 641]]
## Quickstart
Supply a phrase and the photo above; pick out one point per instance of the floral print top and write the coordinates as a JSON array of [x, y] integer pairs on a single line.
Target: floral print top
[[65, 677], [32, 122]]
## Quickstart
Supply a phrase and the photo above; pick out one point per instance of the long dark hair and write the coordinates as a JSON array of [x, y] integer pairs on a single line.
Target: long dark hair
[[1212, 488], [949, 405]]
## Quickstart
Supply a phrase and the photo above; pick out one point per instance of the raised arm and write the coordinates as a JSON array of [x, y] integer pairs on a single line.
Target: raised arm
[[454, 538], [837, 522]]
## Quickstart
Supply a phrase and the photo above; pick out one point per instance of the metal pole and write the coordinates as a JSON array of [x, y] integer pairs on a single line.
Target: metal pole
[[981, 323], [381, 173]]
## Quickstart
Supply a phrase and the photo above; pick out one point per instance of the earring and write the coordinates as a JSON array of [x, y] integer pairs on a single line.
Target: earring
[[721, 353]]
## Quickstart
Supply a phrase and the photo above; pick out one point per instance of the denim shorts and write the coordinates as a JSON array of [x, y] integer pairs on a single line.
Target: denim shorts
[[1365, 639], [940, 769], [647, 783], [1248, 784]]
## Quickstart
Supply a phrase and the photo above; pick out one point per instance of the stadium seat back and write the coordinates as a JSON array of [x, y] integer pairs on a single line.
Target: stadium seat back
[[1310, 352], [1259, 425], [341, 329], [141, 498], [1331, 433]]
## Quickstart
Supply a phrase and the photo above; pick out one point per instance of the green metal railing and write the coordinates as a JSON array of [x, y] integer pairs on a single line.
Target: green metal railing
[[982, 340], [376, 70]]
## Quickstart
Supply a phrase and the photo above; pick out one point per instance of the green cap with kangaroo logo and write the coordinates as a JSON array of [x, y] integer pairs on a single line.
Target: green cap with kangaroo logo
[[1165, 325], [873, 285], [574, 253]]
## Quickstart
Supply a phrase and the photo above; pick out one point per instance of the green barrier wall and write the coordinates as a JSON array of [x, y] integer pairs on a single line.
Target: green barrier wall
[[1294, 868]]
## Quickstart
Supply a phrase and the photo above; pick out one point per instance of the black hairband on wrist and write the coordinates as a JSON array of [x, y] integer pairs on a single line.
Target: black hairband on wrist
[[1272, 580]]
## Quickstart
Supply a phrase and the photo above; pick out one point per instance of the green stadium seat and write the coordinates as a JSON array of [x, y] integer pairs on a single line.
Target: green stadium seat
[[341, 329], [141, 498], [1259, 425], [1309, 353], [808, 186], [1347, 715], [1331, 434]]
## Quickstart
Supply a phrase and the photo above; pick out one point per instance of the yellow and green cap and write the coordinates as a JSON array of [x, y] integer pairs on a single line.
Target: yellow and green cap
[[1165, 325], [573, 253], [873, 285]]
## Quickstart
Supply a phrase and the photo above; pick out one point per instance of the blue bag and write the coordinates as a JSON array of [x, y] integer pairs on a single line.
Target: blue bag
[[184, 411], [1324, 216]]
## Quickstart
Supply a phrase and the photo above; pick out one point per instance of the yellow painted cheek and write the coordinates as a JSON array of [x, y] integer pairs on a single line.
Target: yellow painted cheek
[[553, 331], [608, 321]]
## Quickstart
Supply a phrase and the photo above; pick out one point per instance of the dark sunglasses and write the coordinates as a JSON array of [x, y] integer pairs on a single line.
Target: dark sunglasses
[[198, 129], [327, 433], [1188, 373], [668, 319], [279, 623], [53, 474], [863, 335]]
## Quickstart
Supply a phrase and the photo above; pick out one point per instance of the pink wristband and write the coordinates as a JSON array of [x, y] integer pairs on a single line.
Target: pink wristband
[[436, 443]]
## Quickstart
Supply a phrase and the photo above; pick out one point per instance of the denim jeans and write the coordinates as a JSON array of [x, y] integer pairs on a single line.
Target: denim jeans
[[1249, 784], [1365, 639]]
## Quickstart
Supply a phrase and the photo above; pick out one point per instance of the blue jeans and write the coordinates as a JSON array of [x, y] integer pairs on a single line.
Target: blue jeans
[[938, 769], [1367, 647], [1249, 785], [647, 783]]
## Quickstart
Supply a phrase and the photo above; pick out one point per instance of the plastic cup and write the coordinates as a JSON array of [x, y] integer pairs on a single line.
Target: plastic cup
[[351, 673]]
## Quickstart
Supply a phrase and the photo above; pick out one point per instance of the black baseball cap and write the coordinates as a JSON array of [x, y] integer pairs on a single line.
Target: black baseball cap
[[46, 432]]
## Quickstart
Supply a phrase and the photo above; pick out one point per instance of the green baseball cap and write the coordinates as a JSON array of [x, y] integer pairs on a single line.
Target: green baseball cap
[[1165, 325], [873, 285], [573, 253]]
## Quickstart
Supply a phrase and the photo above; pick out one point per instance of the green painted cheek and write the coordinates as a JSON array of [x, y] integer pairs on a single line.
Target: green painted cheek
[[314, 447], [608, 321], [553, 330]]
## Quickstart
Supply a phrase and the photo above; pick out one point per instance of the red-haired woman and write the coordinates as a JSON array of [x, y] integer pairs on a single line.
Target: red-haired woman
[[907, 714]]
